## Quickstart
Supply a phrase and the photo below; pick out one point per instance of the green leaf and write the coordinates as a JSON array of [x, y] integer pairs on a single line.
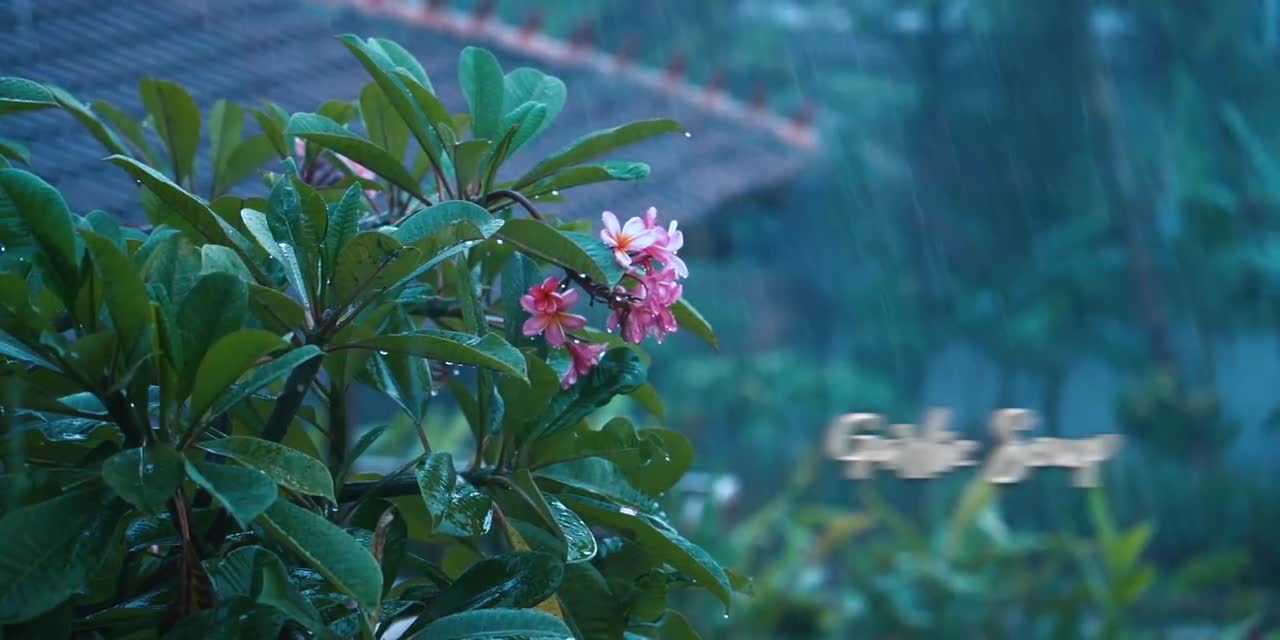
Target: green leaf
[[466, 162], [249, 154], [470, 513], [670, 456], [397, 83], [14, 150], [27, 200], [226, 126], [335, 554], [437, 480], [690, 318], [597, 143], [219, 259], [344, 218], [333, 136], [272, 124], [619, 372], [579, 540], [256, 573], [588, 174], [276, 310], [524, 86], [125, 295], [20, 94], [659, 539], [289, 467], [475, 222], [511, 580], [89, 120], [518, 127], [356, 451], [168, 259], [578, 252], [192, 209], [483, 85], [402, 59], [129, 128], [382, 123], [647, 396], [176, 118], [489, 351], [297, 217], [244, 492], [496, 624], [229, 358], [50, 551], [371, 262], [215, 307], [145, 477]]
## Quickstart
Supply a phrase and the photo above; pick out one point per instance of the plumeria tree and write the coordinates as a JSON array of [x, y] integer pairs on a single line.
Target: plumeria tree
[[179, 454]]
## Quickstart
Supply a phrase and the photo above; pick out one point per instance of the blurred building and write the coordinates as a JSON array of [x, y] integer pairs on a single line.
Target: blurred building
[[284, 51]]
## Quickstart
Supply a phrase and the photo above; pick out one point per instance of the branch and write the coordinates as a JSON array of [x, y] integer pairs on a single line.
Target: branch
[[295, 390]]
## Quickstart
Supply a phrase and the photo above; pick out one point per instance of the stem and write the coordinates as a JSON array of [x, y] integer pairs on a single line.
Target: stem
[[422, 436], [518, 198], [402, 484], [339, 427], [287, 405]]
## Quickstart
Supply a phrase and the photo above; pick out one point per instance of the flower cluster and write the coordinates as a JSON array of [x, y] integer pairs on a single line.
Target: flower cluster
[[648, 252], [641, 306]]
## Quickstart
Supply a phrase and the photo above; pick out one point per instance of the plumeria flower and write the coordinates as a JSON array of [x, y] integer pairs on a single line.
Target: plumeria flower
[[628, 239], [547, 308], [668, 242], [649, 311], [585, 357]]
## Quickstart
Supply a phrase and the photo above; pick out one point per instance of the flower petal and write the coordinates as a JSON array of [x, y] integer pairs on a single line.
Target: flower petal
[[555, 334], [568, 298], [571, 321], [535, 325], [610, 223]]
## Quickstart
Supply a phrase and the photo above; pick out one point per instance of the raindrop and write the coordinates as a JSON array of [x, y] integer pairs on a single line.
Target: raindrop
[[138, 182], [555, 192], [690, 135], [382, 352], [627, 511], [726, 614], [448, 364], [457, 372], [1, 248], [499, 240], [435, 392], [608, 330]]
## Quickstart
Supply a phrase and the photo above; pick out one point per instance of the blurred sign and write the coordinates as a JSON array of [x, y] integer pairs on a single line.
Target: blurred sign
[[862, 441]]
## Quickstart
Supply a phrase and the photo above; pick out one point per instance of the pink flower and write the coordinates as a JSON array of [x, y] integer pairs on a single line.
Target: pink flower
[[626, 240], [547, 306], [649, 311], [585, 357], [668, 242]]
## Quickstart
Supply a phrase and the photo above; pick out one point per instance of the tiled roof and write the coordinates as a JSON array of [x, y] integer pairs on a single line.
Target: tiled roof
[[283, 50]]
